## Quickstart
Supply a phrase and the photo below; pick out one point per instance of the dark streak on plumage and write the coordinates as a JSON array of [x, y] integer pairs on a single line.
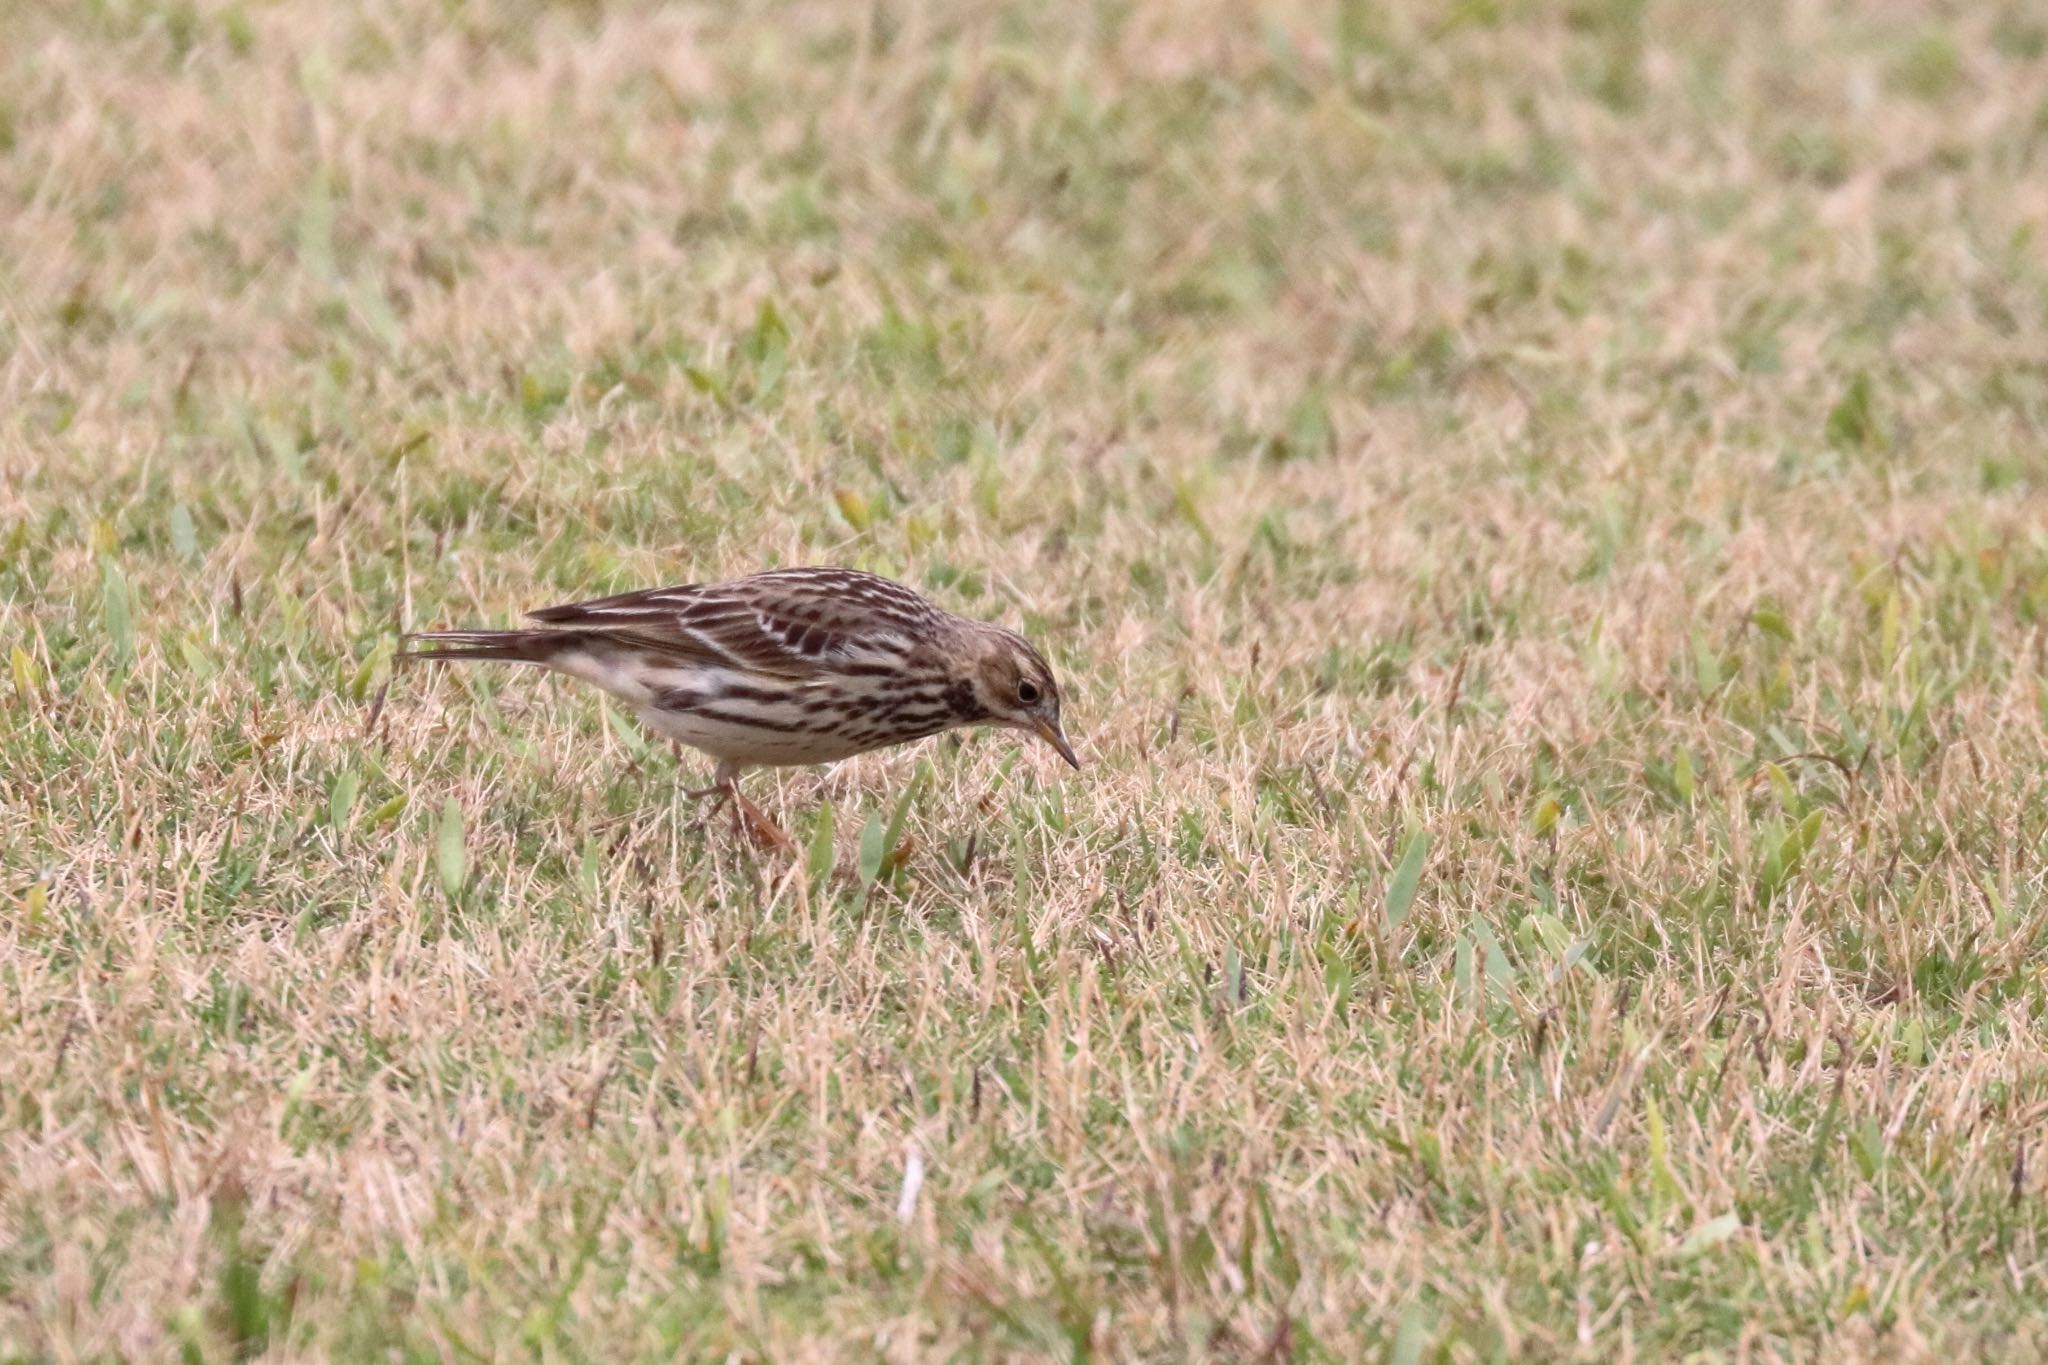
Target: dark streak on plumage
[[759, 722], [962, 701]]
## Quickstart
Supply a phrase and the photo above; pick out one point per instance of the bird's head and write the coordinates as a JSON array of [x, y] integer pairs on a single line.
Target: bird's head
[[1015, 688]]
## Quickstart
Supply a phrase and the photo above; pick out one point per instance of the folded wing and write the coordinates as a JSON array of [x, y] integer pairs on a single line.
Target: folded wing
[[788, 622]]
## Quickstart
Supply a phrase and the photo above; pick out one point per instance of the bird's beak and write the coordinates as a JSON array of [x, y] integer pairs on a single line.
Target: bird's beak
[[1050, 733]]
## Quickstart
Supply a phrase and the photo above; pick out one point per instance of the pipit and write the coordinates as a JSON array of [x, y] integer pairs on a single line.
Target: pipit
[[787, 667]]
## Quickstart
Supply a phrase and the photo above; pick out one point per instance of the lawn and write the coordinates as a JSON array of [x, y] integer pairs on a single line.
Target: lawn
[[1540, 509]]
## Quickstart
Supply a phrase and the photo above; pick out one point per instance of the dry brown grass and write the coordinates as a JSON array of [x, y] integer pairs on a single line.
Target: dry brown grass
[[1591, 451]]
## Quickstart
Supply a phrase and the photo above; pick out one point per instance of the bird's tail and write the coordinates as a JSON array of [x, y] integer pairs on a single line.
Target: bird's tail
[[506, 646]]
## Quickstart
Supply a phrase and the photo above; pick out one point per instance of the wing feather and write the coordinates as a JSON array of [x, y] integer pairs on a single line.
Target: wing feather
[[783, 622]]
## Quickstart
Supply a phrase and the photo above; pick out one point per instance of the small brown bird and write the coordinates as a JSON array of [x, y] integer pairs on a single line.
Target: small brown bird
[[787, 667]]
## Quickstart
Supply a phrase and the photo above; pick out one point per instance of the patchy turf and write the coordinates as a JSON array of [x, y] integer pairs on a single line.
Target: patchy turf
[[1539, 507]]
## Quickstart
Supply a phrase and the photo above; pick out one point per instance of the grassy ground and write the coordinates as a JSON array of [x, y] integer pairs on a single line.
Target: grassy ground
[[1539, 505]]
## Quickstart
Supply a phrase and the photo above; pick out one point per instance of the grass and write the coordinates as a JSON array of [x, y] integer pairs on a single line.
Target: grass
[[1539, 508]]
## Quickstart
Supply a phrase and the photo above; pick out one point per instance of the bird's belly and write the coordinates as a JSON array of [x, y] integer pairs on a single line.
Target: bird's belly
[[750, 744]]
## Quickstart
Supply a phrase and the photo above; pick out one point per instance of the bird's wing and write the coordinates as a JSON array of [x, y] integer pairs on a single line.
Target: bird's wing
[[786, 621]]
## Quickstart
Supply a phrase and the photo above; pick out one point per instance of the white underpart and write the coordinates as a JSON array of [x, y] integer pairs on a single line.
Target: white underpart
[[638, 686]]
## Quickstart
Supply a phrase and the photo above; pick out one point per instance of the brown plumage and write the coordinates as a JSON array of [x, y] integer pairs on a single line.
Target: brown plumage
[[790, 666]]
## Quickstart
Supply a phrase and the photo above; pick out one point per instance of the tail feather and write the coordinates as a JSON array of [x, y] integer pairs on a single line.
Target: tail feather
[[507, 646]]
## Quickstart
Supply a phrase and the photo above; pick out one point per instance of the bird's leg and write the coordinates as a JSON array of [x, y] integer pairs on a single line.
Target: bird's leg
[[752, 821], [747, 818], [724, 787]]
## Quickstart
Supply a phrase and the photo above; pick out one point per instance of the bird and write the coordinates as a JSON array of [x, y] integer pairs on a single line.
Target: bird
[[785, 667]]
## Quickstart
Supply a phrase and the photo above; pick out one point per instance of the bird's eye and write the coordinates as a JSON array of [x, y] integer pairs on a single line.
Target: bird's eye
[[1027, 692]]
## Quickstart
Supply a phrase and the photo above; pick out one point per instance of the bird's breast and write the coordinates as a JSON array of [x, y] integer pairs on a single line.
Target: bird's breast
[[753, 720]]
